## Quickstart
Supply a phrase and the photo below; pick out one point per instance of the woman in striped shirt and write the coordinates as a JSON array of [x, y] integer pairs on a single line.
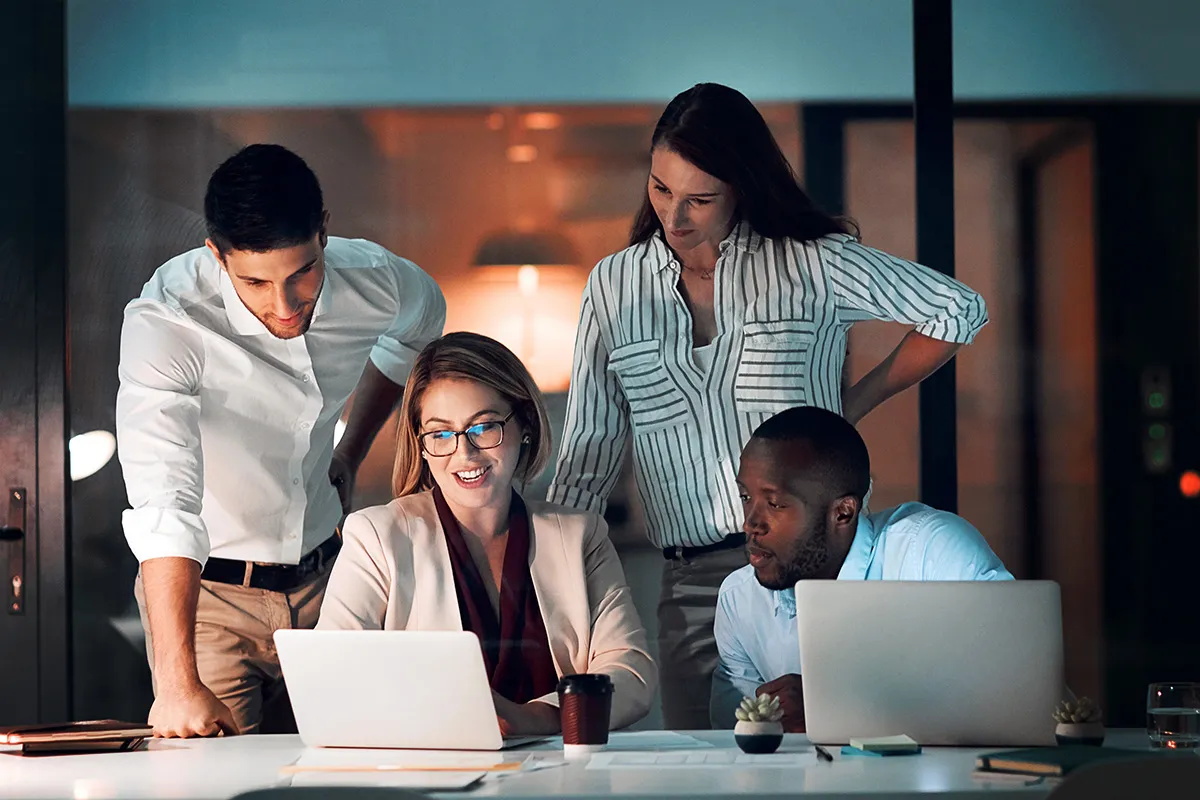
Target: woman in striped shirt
[[731, 303]]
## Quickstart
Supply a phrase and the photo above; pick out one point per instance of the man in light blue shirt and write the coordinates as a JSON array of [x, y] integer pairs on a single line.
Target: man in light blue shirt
[[802, 480]]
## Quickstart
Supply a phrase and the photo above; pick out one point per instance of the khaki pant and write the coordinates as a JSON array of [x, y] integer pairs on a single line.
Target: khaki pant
[[235, 651], [687, 649]]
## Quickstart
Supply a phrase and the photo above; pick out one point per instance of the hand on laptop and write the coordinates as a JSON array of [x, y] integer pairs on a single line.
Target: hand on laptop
[[526, 719], [188, 712], [789, 690]]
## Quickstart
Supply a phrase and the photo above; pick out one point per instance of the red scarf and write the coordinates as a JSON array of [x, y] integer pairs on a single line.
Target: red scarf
[[516, 650]]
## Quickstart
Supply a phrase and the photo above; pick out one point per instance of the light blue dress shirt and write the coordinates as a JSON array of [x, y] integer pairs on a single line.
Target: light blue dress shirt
[[756, 627]]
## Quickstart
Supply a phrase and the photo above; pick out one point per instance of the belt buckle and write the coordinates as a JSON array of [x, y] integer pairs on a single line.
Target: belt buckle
[[678, 551]]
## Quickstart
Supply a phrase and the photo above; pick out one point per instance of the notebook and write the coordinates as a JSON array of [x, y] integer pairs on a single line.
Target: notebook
[[1054, 761], [886, 744], [91, 736]]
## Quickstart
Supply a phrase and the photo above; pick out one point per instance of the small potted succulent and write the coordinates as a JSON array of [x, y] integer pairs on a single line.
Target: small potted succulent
[[758, 728], [1078, 722]]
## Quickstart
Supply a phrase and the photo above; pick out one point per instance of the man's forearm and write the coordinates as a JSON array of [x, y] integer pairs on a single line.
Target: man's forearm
[[374, 398], [916, 357], [172, 588]]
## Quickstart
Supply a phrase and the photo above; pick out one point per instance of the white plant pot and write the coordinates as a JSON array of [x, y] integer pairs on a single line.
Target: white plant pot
[[744, 728]]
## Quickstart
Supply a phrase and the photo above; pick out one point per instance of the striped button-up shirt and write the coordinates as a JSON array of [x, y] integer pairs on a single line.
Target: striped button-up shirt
[[783, 309]]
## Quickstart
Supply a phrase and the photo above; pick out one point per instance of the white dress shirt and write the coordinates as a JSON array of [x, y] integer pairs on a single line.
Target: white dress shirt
[[783, 309], [225, 432], [755, 628]]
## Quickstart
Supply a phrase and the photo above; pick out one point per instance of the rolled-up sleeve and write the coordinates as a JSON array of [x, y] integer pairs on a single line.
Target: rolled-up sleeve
[[420, 318], [158, 433], [872, 284], [597, 418]]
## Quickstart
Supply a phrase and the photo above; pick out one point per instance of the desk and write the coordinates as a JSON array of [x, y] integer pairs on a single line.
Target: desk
[[204, 769]]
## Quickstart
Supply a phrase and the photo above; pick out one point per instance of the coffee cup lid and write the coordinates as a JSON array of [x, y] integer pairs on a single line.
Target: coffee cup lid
[[587, 683]]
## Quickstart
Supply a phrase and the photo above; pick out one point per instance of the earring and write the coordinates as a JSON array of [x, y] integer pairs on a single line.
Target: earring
[[525, 439]]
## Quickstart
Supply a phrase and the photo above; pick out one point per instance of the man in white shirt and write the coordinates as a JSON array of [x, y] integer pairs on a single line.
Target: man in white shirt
[[236, 362], [802, 479]]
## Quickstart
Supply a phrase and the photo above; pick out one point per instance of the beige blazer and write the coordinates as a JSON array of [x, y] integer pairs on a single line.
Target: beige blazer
[[393, 573]]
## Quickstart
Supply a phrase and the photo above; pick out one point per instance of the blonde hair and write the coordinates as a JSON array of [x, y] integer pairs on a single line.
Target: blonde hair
[[469, 357]]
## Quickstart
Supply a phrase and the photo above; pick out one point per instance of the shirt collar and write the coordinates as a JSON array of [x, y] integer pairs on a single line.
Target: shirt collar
[[862, 550], [743, 237], [324, 296], [241, 320], [245, 323], [854, 568]]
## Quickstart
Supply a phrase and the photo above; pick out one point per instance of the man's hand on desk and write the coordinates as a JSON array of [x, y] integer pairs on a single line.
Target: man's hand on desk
[[526, 719], [190, 711], [789, 690]]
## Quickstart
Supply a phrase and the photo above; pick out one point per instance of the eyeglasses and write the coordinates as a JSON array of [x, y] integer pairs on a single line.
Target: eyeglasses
[[482, 436]]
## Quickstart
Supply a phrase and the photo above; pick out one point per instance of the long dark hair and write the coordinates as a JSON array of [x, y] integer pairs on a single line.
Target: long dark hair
[[719, 131]]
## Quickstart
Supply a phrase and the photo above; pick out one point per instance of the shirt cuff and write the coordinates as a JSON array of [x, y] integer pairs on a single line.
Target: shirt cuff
[[165, 533], [944, 331], [549, 699], [574, 497], [394, 366]]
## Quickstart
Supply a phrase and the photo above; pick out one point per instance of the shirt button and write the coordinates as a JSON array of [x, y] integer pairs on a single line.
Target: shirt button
[[304, 426], [295, 481], [305, 379], [291, 535]]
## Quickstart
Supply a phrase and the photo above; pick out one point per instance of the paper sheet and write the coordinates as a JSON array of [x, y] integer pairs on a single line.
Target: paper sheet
[[443, 781], [714, 758], [344, 760], [633, 741]]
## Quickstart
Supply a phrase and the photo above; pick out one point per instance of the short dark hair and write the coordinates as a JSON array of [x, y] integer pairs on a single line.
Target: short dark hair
[[718, 130], [263, 198], [840, 458]]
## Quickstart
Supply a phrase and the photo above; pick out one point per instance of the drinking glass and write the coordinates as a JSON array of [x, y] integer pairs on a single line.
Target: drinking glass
[[1173, 715]]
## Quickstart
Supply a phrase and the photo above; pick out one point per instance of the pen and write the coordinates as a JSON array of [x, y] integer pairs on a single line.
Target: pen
[[822, 753]]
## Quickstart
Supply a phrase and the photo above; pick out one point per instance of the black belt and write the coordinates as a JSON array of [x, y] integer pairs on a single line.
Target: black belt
[[273, 577], [730, 542]]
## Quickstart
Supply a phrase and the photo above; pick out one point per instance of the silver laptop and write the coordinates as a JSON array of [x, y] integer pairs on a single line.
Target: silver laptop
[[948, 663], [398, 689]]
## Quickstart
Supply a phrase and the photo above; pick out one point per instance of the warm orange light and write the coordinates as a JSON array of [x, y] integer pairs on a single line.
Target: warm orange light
[[527, 280], [542, 120], [1189, 484], [534, 311], [521, 153]]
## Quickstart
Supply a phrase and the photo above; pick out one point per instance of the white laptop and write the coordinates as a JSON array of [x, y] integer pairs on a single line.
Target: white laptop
[[948, 663], [397, 689]]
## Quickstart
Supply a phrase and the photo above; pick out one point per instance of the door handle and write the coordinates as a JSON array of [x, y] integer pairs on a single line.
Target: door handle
[[14, 535]]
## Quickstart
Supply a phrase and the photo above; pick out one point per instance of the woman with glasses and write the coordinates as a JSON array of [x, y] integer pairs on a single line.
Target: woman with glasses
[[461, 549], [732, 303]]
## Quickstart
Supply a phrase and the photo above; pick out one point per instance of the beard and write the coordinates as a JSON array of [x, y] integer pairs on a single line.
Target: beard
[[807, 560], [280, 332]]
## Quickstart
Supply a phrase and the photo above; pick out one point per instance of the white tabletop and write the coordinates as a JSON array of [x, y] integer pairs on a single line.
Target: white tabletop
[[220, 768]]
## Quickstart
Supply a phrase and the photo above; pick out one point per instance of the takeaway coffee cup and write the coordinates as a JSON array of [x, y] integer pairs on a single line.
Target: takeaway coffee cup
[[585, 702]]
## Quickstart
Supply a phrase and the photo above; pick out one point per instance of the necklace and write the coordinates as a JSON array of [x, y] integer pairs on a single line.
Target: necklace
[[705, 274]]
